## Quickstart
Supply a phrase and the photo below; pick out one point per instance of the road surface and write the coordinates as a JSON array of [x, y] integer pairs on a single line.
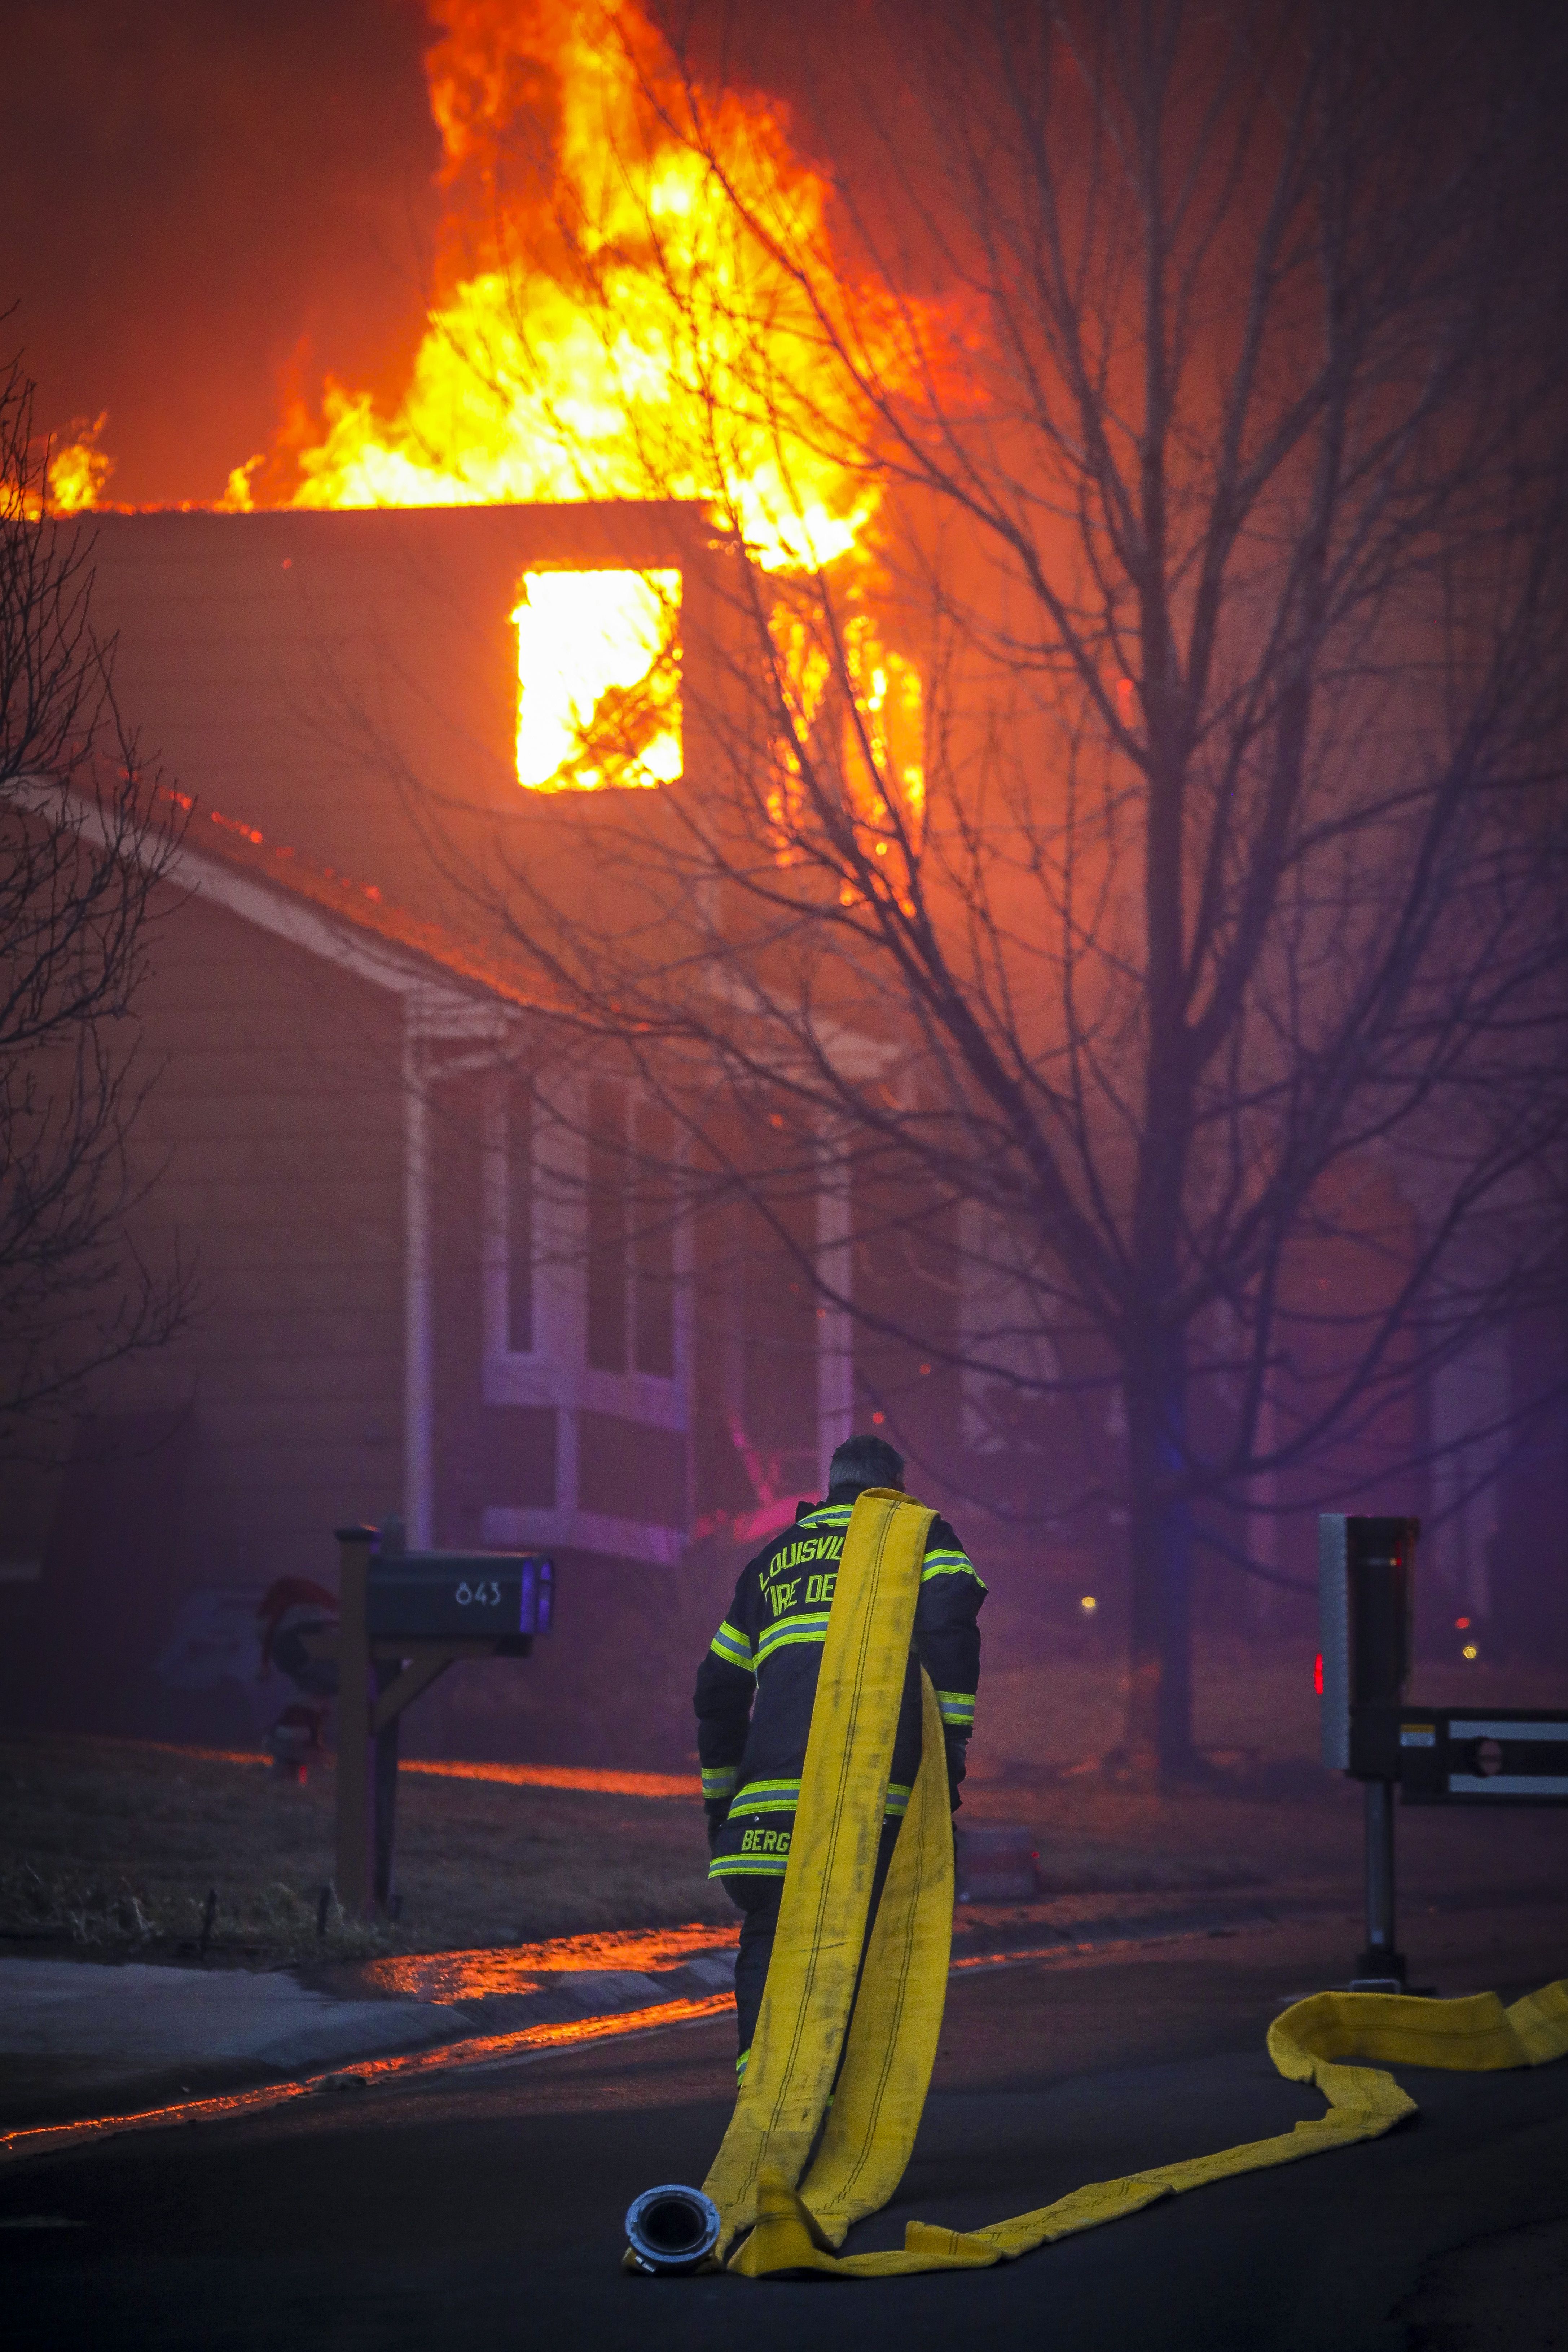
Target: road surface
[[485, 2211]]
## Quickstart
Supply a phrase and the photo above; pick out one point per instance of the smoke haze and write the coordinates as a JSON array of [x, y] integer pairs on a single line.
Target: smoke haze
[[205, 204]]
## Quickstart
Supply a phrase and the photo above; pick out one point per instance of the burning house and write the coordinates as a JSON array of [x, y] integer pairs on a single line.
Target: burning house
[[426, 1280], [443, 1265], [423, 1283]]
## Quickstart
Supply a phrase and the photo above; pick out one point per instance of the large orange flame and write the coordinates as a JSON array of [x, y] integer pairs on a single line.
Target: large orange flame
[[636, 293], [613, 325], [614, 320]]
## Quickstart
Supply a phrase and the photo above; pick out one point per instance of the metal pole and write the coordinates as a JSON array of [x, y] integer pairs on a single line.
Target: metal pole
[[1381, 1964]]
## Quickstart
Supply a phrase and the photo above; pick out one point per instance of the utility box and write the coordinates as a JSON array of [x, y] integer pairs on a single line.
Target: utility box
[[455, 1596], [1366, 1599]]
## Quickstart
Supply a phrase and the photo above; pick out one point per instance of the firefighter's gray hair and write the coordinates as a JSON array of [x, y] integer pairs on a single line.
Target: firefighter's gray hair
[[866, 1461]]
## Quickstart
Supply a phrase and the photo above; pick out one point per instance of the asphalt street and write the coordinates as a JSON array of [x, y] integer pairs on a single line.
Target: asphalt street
[[486, 2210]]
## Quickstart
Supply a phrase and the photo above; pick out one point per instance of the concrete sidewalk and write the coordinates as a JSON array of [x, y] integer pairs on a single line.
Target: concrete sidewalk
[[82, 2039], [79, 2039]]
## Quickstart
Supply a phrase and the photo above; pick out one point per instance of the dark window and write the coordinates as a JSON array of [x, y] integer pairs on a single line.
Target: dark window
[[607, 1204], [519, 1217], [652, 1245]]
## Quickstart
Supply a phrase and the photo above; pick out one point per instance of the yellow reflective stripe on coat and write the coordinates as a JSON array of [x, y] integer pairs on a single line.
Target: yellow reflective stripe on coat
[[784, 1796], [796, 2218], [766, 1797], [788, 1629], [950, 1563], [730, 1644]]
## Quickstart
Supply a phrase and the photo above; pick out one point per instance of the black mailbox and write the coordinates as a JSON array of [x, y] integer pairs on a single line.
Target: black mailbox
[[447, 1596]]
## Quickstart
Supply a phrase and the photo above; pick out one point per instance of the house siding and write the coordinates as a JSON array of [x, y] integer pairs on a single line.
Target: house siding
[[269, 1144]]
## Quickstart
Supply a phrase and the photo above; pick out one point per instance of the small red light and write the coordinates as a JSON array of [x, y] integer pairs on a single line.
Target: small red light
[[1317, 1673], [1463, 1623], [879, 1418]]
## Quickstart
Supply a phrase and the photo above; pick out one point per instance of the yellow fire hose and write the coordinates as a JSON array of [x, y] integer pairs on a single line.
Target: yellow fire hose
[[797, 2217]]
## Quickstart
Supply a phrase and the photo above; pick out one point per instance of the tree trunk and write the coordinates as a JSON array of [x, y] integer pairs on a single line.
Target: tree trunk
[[1158, 1746]]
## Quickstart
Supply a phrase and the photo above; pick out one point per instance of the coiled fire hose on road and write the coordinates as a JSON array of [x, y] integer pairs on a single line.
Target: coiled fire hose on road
[[788, 2217]]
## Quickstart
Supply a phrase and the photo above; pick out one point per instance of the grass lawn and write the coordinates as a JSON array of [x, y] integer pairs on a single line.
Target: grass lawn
[[112, 1846]]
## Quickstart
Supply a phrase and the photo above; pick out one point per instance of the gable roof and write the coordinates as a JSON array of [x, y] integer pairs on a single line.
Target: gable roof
[[319, 909], [332, 914]]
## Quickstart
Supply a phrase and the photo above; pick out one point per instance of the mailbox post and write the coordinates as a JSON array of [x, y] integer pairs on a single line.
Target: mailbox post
[[403, 1618]]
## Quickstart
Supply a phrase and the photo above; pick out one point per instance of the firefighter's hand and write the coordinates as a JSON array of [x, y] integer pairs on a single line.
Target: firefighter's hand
[[957, 1750], [717, 1814]]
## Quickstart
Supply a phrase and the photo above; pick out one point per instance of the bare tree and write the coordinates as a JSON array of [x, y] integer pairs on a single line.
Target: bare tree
[[1149, 874], [80, 858]]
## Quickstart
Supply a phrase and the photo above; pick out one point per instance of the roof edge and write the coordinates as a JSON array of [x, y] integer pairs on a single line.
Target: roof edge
[[378, 944]]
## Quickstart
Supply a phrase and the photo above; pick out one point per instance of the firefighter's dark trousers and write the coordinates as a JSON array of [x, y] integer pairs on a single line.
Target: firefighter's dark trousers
[[758, 1899]]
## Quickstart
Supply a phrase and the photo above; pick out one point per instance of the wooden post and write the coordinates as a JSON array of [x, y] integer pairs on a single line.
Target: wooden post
[[354, 1699], [384, 1790]]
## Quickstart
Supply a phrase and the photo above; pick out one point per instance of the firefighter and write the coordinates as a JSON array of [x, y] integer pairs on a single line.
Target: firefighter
[[756, 1687]]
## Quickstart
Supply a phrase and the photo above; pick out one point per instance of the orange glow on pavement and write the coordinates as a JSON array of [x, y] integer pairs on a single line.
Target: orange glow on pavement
[[486, 2049], [515, 1967], [585, 1778], [567, 1776], [497, 2049]]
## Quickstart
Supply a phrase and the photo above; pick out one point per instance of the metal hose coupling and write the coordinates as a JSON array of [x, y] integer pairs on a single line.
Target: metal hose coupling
[[670, 2229]]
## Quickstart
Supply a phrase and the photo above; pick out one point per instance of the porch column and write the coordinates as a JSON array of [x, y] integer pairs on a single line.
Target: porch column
[[418, 1436]]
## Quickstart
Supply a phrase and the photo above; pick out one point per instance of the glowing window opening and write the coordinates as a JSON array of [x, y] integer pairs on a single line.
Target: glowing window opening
[[598, 680]]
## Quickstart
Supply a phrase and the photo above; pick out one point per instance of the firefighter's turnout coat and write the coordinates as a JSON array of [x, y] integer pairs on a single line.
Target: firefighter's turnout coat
[[757, 1685]]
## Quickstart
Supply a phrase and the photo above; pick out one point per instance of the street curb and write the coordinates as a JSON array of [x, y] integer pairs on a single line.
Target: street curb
[[475, 2052]]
